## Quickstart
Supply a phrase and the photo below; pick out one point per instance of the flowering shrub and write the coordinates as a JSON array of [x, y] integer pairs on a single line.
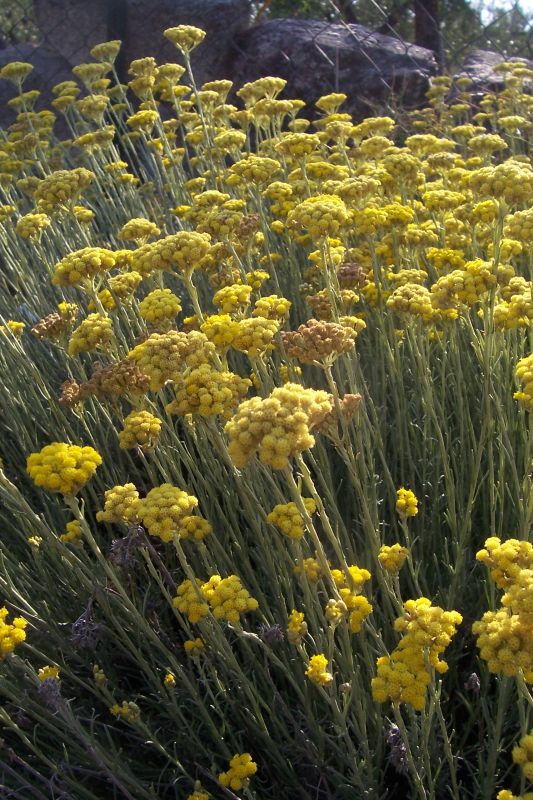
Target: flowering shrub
[[267, 385]]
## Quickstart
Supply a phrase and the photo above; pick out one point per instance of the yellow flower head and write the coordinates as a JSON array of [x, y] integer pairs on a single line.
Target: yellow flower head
[[163, 509], [317, 670], [11, 634], [241, 769], [63, 468], [48, 672], [406, 503], [392, 558]]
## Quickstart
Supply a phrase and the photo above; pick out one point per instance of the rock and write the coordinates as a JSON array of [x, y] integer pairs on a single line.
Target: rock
[[479, 67], [72, 28], [317, 58], [221, 19], [49, 68]]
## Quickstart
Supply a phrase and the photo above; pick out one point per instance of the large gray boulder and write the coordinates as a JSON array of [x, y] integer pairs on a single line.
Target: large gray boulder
[[221, 19], [317, 58], [479, 67], [49, 68]]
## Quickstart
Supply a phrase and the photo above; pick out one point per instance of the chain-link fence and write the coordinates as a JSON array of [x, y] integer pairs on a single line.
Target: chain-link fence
[[363, 48]]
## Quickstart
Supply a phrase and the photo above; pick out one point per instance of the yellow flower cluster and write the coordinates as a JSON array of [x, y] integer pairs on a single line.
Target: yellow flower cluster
[[220, 329], [321, 216], [228, 598], [47, 673], [311, 568], [138, 229], [180, 253], [317, 671], [404, 676], [194, 528], [31, 226], [190, 601], [121, 505], [185, 37], [208, 392], [296, 627], [255, 336], [141, 429], [63, 468], [392, 558], [241, 769], [159, 306], [194, 647], [411, 298], [13, 327], [232, 299], [72, 533], [83, 265], [505, 794], [278, 426], [124, 284], [163, 356], [505, 637], [95, 332], [406, 503], [349, 585], [523, 755], [225, 597], [272, 307], [524, 373], [128, 711], [163, 509], [11, 633], [288, 519], [61, 188]]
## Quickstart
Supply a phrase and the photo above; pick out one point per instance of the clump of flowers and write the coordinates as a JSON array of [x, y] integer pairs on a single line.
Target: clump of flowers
[[255, 336], [392, 558], [317, 671], [228, 598], [141, 429], [404, 676], [63, 468], [72, 533], [523, 755], [163, 356], [82, 266], [287, 518], [11, 633], [138, 229], [296, 627], [321, 216], [180, 253], [160, 306], [406, 503], [128, 711], [94, 333], [524, 373], [208, 392], [163, 509], [278, 427], [121, 505], [241, 769], [504, 637]]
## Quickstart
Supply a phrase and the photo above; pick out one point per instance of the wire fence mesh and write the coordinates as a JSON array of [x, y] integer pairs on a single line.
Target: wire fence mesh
[[57, 34]]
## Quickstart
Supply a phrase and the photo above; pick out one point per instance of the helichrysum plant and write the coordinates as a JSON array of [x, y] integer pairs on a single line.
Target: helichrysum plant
[[266, 458]]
